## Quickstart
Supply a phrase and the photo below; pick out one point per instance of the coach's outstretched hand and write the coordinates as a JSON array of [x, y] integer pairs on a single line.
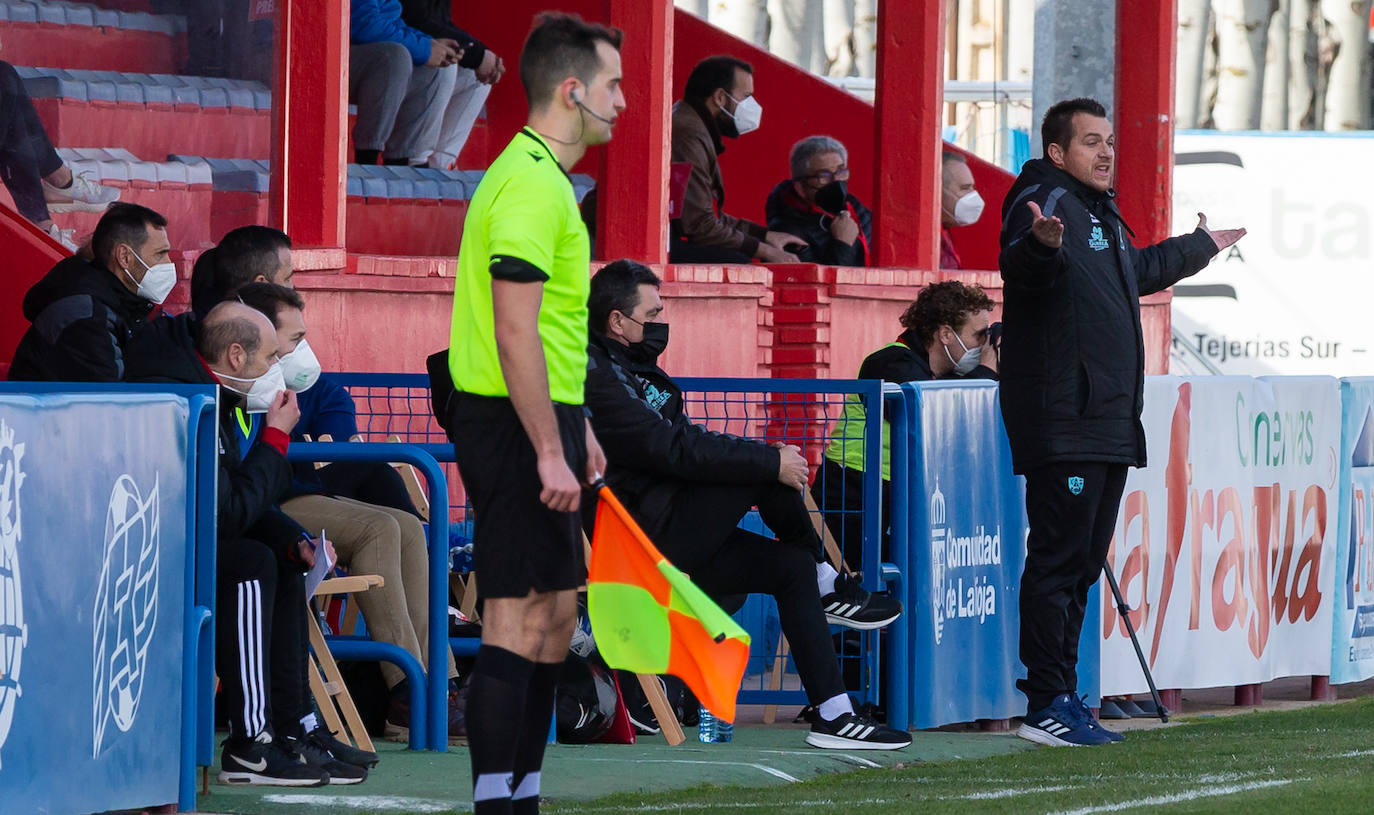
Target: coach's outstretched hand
[[1221, 237], [1049, 231]]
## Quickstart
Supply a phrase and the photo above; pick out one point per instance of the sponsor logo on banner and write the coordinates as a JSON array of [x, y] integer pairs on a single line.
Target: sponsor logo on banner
[[958, 564], [1247, 496], [937, 559], [14, 634], [1357, 584], [125, 606]]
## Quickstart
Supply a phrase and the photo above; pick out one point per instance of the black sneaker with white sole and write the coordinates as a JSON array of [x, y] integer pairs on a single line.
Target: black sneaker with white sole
[[852, 606], [262, 761], [850, 731], [317, 754], [347, 753]]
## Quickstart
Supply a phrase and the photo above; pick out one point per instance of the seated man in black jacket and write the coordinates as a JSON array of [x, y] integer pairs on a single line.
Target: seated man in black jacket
[[84, 313], [260, 637], [815, 205], [689, 487], [946, 334]]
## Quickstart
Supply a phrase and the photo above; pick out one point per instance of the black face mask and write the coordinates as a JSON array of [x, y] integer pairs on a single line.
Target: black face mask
[[833, 197], [647, 350]]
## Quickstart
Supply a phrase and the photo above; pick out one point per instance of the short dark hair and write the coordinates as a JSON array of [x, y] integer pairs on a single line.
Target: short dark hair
[[219, 330], [616, 288], [560, 46], [123, 223], [270, 299], [948, 302], [712, 73], [1057, 126], [242, 255]]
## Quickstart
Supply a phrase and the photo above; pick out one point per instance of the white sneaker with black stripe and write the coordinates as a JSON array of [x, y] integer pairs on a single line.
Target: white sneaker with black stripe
[[852, 606], [850, 731]]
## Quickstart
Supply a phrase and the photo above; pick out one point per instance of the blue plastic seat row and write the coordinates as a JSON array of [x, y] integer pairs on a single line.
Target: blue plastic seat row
[[57, 12], [168, 89], [117, 164]]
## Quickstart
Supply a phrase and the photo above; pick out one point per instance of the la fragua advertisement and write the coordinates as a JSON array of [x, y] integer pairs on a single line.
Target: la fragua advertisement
[[1225, 546]]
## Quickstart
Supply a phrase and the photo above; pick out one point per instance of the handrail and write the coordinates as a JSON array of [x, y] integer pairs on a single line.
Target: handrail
[[437, 485]]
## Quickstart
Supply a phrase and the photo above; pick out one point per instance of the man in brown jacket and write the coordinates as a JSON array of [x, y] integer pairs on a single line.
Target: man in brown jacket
[[717, 103]]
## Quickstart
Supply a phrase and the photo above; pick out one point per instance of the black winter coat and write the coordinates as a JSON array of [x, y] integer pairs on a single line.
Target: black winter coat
[[1073, 356], [652, 449], [790, 213], [435, 18], [908, 363], [82, 318], [251, 485]]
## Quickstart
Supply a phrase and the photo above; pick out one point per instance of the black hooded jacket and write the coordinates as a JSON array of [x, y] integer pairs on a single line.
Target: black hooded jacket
[[1073, 356], [652, 449], [790, 213], [82, 318], [251, 484], [435, 18]]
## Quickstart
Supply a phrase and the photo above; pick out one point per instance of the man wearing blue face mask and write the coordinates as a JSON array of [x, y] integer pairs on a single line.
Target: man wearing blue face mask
[[718, 103], [816, 206], [85, 312]]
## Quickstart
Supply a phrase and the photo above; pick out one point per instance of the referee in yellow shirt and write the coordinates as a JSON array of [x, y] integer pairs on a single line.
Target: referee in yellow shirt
[[518, 357]]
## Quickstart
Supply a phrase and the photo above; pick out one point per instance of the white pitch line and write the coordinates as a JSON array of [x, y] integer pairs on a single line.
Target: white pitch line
[[1178, 797], [773, 771], [1008, 793], [687, 807], [1355, 753], [368, 803], [862, 762]]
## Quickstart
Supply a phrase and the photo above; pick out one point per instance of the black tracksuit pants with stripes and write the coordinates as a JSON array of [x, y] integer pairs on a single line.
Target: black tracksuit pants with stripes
[[260, 639]]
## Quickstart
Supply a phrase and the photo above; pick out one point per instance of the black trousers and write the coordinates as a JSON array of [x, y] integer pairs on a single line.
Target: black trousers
[[26, 154], [680, 251], [1072, 511], [260, 640], [839, 492], [703, 539]]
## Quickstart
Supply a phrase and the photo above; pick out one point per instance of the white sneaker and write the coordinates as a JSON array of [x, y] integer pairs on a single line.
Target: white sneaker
[[84, 195], [66, 237]]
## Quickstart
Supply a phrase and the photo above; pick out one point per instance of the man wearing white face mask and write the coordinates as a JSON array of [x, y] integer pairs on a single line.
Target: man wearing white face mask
[[960, 204], [945, 335], [84, 313], [718, 103], [369, 538]]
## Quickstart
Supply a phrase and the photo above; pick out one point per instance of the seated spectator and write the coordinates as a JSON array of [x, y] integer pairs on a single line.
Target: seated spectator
[[274, 738], [405, 84], [689, 488], [84, 312], [477, 67], [718, 103], [369, 539], [33, 172], [815, 205], [946, 335], [225, 38], [249, 254], [960, 204]]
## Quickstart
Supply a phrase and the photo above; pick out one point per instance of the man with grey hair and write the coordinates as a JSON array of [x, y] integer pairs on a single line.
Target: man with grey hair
[[960, 203], [815, 205]]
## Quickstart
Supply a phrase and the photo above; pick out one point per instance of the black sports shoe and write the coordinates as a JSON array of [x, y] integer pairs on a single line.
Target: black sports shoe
[[1092, 722], [637, 704], [263, 761], [317, 755], [852, 606], [342, 751], [850, 731]]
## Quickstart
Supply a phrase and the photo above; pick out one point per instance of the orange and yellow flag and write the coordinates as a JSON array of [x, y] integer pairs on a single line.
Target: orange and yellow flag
[[648, 617]]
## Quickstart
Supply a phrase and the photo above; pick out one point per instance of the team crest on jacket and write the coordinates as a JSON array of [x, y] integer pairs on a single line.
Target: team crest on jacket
[[1076, 484], [1097, 241]]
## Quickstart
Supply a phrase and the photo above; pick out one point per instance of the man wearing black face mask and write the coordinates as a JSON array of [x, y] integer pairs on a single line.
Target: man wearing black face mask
[[689, 487], [718, 103], [815, 205]]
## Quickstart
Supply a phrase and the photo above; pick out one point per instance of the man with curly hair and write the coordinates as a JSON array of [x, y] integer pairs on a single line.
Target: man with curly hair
[[945, 334]]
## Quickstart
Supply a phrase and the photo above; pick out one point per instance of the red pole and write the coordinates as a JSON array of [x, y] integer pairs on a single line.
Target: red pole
[[632, 204], [309, 122], [1145, 52], [910, 97]]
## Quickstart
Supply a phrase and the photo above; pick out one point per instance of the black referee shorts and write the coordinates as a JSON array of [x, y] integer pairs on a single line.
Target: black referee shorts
[[519, 544]]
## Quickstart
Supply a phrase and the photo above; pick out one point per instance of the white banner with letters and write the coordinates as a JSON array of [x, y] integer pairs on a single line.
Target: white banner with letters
[[1225, 544]]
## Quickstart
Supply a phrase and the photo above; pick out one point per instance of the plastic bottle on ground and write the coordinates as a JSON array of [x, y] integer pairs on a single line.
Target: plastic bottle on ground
[[712, 730]]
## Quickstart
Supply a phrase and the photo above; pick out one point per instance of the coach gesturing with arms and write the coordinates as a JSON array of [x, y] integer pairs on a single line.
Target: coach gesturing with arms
[[1072, 388]]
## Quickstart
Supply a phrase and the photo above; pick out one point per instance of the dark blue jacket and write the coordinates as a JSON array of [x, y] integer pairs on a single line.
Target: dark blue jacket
[[380, 21]]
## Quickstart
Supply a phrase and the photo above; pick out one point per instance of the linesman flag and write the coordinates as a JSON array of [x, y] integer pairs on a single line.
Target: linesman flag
[[648, 617]]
